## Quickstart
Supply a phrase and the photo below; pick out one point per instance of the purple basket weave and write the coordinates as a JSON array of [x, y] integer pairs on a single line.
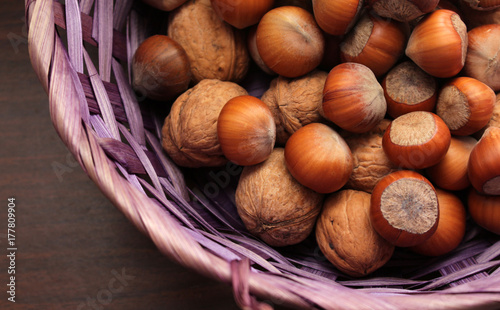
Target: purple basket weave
[[81, 52]]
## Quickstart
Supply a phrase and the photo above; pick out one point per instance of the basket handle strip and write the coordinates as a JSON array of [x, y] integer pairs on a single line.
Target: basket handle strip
[[41, 34], [490, 253], [119, 40], [120, 14], [143, 159], [103, 30], [173, 172], [130, 103], [102, 98], [115, 99], [74, 35], [86, 6]]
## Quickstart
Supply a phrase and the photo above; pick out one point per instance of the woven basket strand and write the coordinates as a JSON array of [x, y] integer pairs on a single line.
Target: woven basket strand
[[116, 140]]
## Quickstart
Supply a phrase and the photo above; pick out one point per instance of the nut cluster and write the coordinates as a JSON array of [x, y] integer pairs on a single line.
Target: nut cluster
[[369, 121]]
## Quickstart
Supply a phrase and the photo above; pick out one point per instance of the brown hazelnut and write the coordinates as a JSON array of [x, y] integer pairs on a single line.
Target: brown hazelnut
[[273, 205], [318, 157], [403, 10], [451, 226], [371, 163], [494, 120], [295, 102], [407, 88], [416, 140], [346, 237], [404, 208], [289, 41], [353, 99], [160, 68], [465, 104], [474, 18], [375, 42], [165, 5], [215, 49], [189, 134]]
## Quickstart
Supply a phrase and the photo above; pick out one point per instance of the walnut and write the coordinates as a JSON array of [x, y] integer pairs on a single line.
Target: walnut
[[295, 102], [346, 237], [215, 49], [189, 133], [273, 205], [370, 162]]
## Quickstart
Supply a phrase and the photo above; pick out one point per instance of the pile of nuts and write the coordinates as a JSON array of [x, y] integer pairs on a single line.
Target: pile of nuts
[[379, 113]]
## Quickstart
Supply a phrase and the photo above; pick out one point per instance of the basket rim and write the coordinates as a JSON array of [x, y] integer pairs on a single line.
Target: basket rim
[[76, 128]]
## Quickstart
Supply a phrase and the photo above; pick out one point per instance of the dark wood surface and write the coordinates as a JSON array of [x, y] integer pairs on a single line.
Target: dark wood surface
[[75, 250]]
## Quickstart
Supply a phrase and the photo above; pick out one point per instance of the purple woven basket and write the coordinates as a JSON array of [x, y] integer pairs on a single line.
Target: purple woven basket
[[81, 52]]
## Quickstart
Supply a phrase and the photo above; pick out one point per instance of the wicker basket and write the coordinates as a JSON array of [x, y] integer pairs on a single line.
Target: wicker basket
[[81, 52]]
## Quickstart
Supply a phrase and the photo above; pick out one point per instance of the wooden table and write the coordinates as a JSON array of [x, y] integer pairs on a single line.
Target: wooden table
[[75, 250]]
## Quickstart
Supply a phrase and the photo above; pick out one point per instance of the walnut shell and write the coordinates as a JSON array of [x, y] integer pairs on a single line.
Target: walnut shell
[[346, 237], [215, 49], [273, 205], [189, 133], [370, 161], [295, 102]]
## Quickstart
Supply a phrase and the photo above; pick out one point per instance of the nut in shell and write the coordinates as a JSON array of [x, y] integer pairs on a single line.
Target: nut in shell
[[189, 133], [295, 102], [273, 205], [215, 49], [346, 237]]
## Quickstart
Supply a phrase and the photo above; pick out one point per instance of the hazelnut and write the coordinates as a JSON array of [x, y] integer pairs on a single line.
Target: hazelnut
[[189, 133], [407, 88], [451, 226], [438, 43], [337, 17], [494, 120], [416, 140], [374, 42], [465, 105], [484, 210], [241, 14], [451, 172], [484, 166], [246, 130], [483, 61], [273, 205], [160, 68], [403, 10], [318, 157], [295, 102], [353, 99], [346, 237], [289, 41], [404, 208]]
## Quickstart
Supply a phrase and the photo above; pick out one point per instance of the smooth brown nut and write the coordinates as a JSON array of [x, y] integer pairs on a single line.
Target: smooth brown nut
[[215, 49], [273, 205], [189, 133], [295, 102], [346, 237]]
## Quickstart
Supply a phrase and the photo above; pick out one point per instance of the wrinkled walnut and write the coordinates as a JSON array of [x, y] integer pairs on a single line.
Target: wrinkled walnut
[[370, 162], [189, 134], [273, 205], [346, 237], [295, 102], [215, 49]]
